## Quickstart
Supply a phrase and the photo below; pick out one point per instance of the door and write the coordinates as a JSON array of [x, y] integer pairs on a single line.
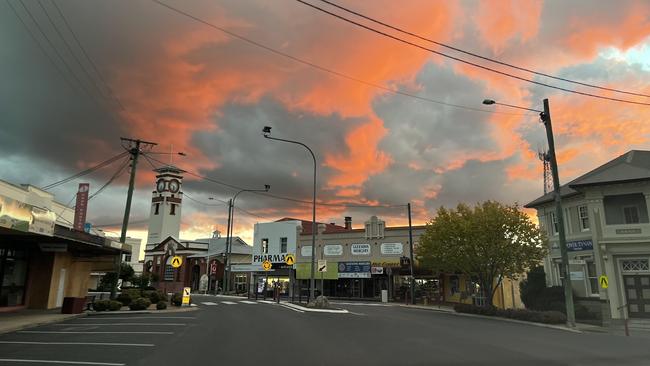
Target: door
[[637, 292], [61, 289]]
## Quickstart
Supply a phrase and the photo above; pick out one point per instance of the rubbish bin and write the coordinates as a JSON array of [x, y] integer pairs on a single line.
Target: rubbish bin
[[73, 305], [384, 295]]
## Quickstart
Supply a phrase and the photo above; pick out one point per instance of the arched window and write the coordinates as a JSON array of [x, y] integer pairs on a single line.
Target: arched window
[[169, 270]]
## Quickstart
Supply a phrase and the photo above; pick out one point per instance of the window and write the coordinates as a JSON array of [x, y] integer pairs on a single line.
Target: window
[[172, 210], [631, 214], [265, 246], [583, 215], [283, 245], [592, 276], [127, 257], [635, 265], [169, 273], [157, 209], [561, 271], [554, 226]]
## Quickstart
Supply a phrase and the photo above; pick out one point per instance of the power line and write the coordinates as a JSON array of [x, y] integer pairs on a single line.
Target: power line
[[465, 61], [116, 175], [328, 70], [85, 172], [83, 50], [480, 56], [203, 203]]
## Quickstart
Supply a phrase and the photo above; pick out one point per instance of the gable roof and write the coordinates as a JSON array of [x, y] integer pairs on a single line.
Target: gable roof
[[565, 192], [217, 246]]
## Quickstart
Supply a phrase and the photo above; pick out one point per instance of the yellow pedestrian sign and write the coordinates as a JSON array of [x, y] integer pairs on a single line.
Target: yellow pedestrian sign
[[290, 259], [604, 283], [186, 295], [177, 261], [267, 265]]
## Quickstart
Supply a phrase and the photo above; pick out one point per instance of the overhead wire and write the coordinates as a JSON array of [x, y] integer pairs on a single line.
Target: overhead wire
[[115, 176], [441, 44], [398, 39], [329, 70], [85, 172]]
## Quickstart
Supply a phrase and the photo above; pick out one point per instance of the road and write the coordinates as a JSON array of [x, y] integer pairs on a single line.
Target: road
[[226, 331]]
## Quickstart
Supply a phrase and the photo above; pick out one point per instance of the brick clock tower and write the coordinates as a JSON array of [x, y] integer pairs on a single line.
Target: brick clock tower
[[166, 203]]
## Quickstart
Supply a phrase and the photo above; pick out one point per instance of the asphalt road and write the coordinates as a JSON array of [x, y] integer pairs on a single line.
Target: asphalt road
[[226, 331]]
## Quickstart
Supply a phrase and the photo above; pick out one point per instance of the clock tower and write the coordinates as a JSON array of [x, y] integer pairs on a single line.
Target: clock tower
[[166, 202]]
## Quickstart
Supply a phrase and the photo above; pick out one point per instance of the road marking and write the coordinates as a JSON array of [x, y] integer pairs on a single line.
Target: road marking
[[61, 362], [82, 344], [229, 303], [138, 317], [209, 303], [114, 324], [290, 308], [248, 302], [360, 304], [266, 301], [74, 332]]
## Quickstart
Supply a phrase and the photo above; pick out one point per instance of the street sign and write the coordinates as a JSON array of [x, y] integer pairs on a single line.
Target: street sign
[[322, 265], [604, 282], [186, 295], [267, 265], [177, 261], [290, 259], [213, 268]]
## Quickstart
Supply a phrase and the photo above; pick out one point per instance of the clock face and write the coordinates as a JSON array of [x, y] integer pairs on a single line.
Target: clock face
[[160, 185], [174, 185]]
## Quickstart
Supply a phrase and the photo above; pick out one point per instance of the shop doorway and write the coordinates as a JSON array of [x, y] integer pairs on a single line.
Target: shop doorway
[[13, 277], [637, 292]]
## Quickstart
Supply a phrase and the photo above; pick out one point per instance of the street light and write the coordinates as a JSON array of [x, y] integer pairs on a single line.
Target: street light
[[545, 117], [266, 131], [231, 220]]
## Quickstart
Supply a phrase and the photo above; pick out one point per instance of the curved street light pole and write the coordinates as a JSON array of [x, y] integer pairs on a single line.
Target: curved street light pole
[[229, 235], [267, 132]]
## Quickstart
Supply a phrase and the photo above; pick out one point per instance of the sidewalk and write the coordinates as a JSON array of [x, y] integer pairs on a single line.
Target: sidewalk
[[22, 319]]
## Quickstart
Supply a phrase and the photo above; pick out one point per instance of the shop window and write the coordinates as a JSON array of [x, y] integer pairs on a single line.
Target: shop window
[[265, 246], [172, 209], [592, 277], [583, 215], [283, 245]]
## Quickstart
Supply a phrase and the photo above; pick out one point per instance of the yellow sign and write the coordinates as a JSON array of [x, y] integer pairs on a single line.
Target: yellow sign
[[186, 295], [267, 265], [177, 261], [290, 259], [604, 283]]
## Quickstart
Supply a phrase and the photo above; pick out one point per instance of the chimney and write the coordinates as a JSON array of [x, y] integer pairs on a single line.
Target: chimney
[[348, 222]]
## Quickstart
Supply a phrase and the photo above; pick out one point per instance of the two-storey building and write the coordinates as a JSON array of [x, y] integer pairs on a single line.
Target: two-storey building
[[608, 234]]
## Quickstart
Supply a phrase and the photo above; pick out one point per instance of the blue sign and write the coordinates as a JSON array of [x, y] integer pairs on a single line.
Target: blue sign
[[354, 267], [87, 227], [579, 245]]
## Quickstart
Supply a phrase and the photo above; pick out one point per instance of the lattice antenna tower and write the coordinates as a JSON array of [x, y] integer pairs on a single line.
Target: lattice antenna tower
[[545, 158]]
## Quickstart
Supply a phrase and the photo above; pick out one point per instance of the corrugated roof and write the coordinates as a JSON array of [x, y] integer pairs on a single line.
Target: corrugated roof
[[565, 191], [217, 246]]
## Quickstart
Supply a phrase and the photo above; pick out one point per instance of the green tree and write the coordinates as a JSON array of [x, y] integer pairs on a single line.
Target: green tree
[[487, 242], [126, 272]]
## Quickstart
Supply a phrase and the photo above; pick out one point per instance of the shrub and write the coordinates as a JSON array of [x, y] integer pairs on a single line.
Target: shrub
[[114, 305], [162, 296], [133, 293], [177, 299], [553, 317], [101, 305], [548, 317], [161, 305], [124, 298], [155, 296], [140, 304]]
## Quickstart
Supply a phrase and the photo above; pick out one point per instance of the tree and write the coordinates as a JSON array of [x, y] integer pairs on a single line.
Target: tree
[[126, 272], [487, 242], [532, 288]]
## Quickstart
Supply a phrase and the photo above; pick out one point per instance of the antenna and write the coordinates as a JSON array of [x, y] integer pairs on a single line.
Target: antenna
[[545, 158]]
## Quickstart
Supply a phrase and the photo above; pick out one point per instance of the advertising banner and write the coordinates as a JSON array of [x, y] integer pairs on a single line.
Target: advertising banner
[[21, 216], [81, 207], [354, 269]]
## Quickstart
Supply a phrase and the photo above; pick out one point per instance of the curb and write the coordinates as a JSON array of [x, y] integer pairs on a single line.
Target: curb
[[124, 312], [44, 322], [541, 325], [312, 310]]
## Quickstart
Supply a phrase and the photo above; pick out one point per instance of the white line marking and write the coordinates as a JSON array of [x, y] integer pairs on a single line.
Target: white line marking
[[209, 303], [290, 308], [73, 332], [229, 303], [114, 324], [135, 317], [59, 362], [360, 304], [266, 301], [83, 344], [248, 302]]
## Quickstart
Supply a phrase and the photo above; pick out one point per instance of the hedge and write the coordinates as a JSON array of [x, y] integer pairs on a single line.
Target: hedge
[[124, 298], [140, 304], [161, 305], [177, 299], [114, 305], [547, 317], [101, 305]]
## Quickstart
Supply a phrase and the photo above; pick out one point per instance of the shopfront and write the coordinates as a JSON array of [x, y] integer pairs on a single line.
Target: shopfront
[[13, 276]]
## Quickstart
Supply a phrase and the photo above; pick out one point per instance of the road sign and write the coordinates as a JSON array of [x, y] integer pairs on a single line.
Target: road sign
[[177, 261], [322, 265], [267, 265], [604, 282], [213, 268], [290, 259], [186, 295]]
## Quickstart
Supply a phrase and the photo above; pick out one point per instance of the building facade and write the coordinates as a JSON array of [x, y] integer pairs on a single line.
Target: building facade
[[608, 236]]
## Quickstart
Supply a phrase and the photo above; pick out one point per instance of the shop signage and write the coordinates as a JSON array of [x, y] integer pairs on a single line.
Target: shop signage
[[377, 270], [577, 275], [333, 249], [246, 267], [21, 216], [354, 269], [267, 265], [81, 207], [273, 258], [360, 249], [579, 245], [386, 262], [305, 250], [392, 248], [53, 247]]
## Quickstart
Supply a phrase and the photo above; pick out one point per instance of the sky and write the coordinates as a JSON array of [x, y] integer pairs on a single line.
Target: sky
[[160, 76]]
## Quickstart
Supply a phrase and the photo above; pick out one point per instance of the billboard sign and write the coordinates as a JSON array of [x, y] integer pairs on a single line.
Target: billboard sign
[[354, 269], [81, 207], [21, 216]]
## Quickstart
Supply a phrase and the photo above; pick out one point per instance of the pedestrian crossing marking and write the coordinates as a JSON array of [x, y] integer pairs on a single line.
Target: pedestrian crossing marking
[[229, 303], [248, 302], [266, 301], [209, 303]]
